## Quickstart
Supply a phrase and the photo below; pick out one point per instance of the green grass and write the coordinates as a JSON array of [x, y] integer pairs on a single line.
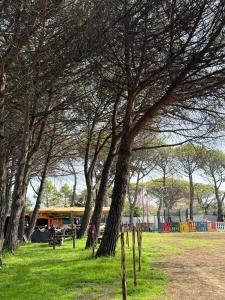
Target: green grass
[[37, 272]]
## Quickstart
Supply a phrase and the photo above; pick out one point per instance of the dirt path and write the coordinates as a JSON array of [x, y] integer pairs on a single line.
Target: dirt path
[[197, 274]]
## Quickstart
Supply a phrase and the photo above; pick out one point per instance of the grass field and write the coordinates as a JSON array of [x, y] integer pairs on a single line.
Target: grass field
[[37, 272]]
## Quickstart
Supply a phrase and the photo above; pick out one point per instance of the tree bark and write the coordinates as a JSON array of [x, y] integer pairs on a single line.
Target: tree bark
[[74, 195], [87, 210], [159, 211], [20, 188], [3, 164], [191, 194], [96, 217], [110, 237], [33, 219], [220, 217], [219, 205], [133, 205], [22, 224], [18, 202], [34, 215]]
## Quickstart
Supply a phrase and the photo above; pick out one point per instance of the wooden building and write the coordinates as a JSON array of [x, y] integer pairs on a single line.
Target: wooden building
[[61, 216]]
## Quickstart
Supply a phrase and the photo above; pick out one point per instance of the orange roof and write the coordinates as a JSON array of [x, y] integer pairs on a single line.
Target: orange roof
[[65, 210]]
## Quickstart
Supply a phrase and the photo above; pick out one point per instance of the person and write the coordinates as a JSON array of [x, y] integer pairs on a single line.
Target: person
[[52, 229]]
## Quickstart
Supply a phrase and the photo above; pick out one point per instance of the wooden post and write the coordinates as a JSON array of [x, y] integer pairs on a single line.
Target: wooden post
[[127, 238], [74, 237], [123, 267], [134, 256], [73, 230], [53, 236]]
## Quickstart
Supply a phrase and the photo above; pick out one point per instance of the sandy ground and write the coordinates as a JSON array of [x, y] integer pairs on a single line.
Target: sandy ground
[[197, 274]]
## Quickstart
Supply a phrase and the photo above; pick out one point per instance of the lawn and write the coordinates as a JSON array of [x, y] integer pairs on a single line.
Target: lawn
[[37, 272]]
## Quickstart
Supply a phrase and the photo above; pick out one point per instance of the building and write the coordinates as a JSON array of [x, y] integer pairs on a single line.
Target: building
[[61, 216]]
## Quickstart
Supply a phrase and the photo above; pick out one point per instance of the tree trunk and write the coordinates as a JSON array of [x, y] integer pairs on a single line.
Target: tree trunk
[[96, 217], [34, 215], [131, 218], [220, 212], [74, 195], [159, 211], [19, 193], [87, 210], [110, 237], [18, 202], [191, 195], [3, 164], [133, 205], [3, 201], [21, 224], [33, 219], [219, 204]]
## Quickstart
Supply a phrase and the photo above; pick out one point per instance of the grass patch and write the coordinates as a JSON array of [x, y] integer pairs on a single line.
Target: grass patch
[[38, 272]]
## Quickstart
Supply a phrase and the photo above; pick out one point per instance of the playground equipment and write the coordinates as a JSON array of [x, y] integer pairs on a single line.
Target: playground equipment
[[191, 226]]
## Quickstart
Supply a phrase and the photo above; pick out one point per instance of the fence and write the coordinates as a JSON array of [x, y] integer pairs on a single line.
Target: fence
[[191, 227]]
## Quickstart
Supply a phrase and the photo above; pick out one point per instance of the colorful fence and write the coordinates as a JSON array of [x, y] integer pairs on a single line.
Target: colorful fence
[[191, 227]]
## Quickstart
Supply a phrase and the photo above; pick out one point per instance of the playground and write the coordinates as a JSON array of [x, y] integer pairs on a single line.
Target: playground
[[175, 266]]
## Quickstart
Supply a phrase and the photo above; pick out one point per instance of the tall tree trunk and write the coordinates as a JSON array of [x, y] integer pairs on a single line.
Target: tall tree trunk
[[191, 195], [3, 201], [110, 237], [220, 217], [159, 211], [96, 217], [3, 164], [163, 200], [20, 188], [18, 202], [74, 195], [133, 205], [34, 215], [22, 224], [219, 205], [87, 210]]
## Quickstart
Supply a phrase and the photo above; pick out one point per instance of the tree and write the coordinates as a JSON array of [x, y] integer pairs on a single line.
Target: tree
[[156, 79], [44, 174], [165, 168], [66, 193], [188, 157], [213, 166], [142, 163], [170, 193], [19, 22], [205, 196], [51, 197], [46, 66]]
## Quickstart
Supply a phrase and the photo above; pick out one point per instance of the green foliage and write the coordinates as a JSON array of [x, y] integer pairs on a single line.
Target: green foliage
[[213, 160], [202, 189], [177, 186], [66, 194], [126, 211], [189, 157], [51, 196]]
